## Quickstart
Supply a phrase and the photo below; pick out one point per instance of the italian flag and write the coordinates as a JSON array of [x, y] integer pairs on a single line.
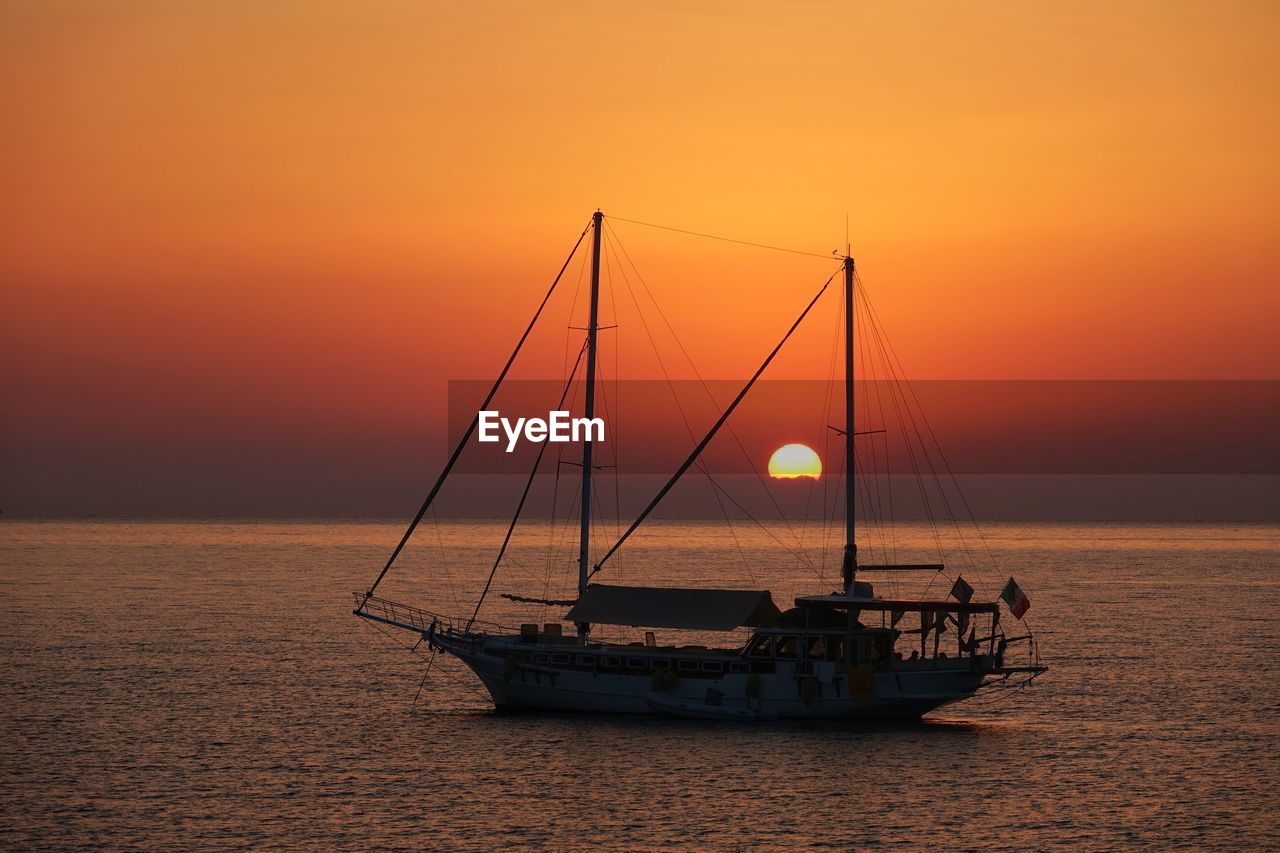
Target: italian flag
[[1015, 598]]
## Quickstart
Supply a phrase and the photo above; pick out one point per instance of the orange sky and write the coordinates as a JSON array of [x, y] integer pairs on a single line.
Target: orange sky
[[267, 216]]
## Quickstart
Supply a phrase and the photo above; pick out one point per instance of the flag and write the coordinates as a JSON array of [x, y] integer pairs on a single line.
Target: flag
[[961, 591], [1017, 600]]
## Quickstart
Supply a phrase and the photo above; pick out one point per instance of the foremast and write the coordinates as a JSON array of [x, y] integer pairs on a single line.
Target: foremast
[[584, 539]]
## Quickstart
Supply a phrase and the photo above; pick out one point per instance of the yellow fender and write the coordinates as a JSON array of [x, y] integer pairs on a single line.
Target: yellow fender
[[664, 679], [862, 682]]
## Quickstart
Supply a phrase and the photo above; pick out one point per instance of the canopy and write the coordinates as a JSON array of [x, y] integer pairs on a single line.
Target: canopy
[[671, 607], [888, 604]]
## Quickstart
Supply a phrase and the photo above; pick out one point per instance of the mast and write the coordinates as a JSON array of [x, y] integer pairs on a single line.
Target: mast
[[584, 539], [849, 568]]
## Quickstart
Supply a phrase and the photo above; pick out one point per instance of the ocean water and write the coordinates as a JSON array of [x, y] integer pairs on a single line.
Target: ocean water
[[195, 685]]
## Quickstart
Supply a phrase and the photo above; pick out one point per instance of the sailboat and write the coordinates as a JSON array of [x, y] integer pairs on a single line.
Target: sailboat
[[847, 653]]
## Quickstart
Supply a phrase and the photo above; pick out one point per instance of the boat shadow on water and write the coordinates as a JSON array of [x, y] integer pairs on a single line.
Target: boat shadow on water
[[557, 722]]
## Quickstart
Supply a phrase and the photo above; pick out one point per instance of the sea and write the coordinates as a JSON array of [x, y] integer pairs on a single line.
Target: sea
[[204, 685]]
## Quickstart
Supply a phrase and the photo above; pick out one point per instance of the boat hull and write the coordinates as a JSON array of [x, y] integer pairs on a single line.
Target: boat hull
[[906, 695]]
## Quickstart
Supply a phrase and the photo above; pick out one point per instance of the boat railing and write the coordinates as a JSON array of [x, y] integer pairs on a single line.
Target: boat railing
[[416, 618], [396, 613]]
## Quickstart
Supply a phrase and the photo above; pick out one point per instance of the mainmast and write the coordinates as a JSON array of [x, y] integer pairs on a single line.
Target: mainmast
[[849, 568], [584, 539]]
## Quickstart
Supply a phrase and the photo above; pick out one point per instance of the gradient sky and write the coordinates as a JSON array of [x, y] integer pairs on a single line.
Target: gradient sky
[[233, 229]]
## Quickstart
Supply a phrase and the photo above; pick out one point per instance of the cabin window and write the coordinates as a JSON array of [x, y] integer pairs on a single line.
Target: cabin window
[[830, 647], [609, 660], [712, 666], [660, 663], [585, 660], [560, 658], [541, 657], [739, 667], [688, 666], [637, 663], [787, 647], [874, 649], [761, 647]]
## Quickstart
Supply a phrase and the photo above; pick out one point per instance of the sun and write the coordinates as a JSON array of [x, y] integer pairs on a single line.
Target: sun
[[794, 460]]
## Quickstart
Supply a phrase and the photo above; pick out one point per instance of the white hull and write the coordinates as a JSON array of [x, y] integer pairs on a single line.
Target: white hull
[[779, 695]]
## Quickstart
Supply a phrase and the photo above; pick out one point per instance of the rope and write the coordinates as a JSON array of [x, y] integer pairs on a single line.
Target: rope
[[471, 428], [722, 239], [653, 344], [523, 497], [755, 471], [413, 650], [714, 429]]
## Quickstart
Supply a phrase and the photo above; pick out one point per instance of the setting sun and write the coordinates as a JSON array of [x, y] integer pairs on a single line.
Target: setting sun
[[794, 460]]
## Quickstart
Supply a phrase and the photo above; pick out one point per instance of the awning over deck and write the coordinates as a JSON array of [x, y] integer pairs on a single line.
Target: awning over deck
[[668, 607], [841, 602]]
